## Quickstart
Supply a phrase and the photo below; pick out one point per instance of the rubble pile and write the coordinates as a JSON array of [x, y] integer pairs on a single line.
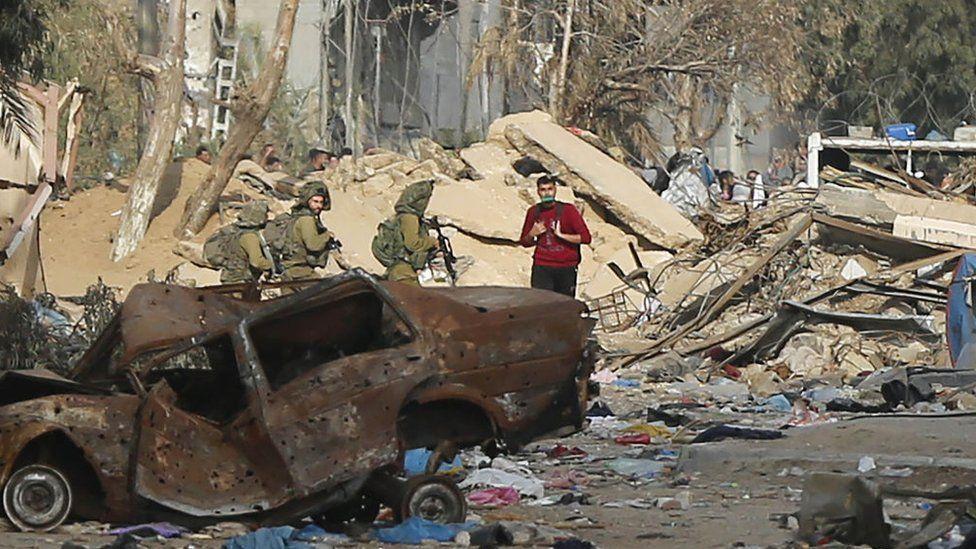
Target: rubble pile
[[816, 287]]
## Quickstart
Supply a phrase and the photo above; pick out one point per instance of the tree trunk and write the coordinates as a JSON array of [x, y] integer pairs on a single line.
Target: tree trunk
[[147, 23], [158, 152], [556, 108], [250, 109], [684, 131]]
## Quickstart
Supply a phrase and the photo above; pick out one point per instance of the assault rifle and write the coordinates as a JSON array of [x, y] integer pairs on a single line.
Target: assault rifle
[[276, 268], [446, 249]]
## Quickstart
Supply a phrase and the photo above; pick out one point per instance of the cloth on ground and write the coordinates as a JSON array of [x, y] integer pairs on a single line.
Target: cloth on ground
[[416, 530]]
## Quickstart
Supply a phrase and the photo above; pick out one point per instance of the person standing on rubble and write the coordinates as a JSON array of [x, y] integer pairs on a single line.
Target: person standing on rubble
[[556, 230], [298, 239], [237, 249], [402, 243]]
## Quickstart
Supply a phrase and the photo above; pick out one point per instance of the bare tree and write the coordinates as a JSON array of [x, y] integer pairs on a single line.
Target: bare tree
[[249, 106], [167, 75], [631, 58]]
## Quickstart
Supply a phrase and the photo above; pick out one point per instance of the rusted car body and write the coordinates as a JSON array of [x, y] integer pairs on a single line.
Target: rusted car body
[[195, 407]]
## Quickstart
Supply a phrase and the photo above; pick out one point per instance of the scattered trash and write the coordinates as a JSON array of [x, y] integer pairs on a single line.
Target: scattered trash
[[415, 463], [723, 432], [866, 464], [559, 451], [282, 537], [494, 497], [527, 486], [162, 529], [637, 468], [778, 403], [415, 531], [633, 439]]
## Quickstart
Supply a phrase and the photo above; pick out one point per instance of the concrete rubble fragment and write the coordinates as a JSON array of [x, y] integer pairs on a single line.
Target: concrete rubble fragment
[[600, 178]]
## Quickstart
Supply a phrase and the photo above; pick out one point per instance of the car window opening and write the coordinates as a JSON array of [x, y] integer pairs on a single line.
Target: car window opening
[[291, 345], [195, 373]]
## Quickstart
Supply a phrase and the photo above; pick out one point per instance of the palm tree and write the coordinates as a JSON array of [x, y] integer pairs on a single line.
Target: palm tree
[[23, 38]]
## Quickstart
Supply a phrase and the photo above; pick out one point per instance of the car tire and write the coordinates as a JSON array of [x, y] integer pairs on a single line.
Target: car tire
[[37, 498], [362, 509], [435, 498]]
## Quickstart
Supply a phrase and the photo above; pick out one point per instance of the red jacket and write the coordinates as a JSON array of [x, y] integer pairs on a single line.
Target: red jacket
[[551, 251]]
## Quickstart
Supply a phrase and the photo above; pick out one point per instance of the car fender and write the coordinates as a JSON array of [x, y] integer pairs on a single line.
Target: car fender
[[433, 390]]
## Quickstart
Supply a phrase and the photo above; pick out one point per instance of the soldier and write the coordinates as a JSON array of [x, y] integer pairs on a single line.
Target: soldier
[[237, 249], [402, 243], [298, 237]]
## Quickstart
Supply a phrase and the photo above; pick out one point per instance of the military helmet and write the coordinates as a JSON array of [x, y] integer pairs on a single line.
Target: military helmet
[[253, 214], [312, 189]]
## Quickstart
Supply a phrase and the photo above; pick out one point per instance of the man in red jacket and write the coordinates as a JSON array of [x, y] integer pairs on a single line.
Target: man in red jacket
[[557, 230]]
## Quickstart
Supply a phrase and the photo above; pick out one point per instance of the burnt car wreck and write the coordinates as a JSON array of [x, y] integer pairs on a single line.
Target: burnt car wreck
[[196, 407]]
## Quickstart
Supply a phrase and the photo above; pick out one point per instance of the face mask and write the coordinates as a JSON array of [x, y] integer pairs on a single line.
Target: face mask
[[548, 199]]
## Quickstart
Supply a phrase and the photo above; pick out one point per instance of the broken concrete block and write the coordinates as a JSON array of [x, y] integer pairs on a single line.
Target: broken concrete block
[[380, 160], [447, 161], [936, 231], [857, 267], [762, 382], [480, 208], [489, 161], [595, 175], [883, 207]]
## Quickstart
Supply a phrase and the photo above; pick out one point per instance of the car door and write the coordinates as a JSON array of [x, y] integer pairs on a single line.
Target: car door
[[184, 458], [336, 373]]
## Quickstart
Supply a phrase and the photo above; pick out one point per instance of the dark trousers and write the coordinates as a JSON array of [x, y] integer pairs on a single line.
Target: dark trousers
[[555, 279]]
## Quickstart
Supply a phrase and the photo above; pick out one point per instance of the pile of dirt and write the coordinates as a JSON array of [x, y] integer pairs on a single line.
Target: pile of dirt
[[77, 234]]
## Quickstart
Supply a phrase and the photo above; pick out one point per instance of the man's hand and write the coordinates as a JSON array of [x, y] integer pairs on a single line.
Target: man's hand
[[538, 228], [571, 238]]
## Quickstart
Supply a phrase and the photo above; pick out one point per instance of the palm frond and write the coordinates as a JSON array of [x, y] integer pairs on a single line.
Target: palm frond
[[15, 115]]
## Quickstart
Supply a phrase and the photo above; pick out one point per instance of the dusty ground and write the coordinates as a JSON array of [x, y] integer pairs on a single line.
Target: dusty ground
[[740, 500], [77, 234]]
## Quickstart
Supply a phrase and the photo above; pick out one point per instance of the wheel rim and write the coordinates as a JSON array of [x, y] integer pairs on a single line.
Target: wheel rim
[[435, 503], [37, 498]]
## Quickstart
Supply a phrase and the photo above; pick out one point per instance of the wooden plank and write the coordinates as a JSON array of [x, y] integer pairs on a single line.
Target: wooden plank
[[890, 176], [911, 266], [22, 225], [70, 159]]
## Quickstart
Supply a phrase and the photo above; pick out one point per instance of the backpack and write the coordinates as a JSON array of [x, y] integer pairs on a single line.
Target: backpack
[[388, 247], [222, 249], [277, 233]]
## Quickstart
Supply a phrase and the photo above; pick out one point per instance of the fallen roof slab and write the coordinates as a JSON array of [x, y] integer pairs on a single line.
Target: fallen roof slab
[[599, 177]]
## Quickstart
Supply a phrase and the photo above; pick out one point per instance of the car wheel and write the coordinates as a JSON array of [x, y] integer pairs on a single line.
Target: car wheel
[[434, 498], [37, 498], [362, 509]]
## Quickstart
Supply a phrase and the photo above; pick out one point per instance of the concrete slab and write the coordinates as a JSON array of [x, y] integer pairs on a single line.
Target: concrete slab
[[918, 442], [602, 179], [937, 231]]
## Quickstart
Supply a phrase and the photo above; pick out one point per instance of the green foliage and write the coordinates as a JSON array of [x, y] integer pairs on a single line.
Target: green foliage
[[905, 60], [37, 334], [83, 47], [23, 40]]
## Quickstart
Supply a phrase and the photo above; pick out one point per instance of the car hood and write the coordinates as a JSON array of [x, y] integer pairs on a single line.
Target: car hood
[[23, 385]]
